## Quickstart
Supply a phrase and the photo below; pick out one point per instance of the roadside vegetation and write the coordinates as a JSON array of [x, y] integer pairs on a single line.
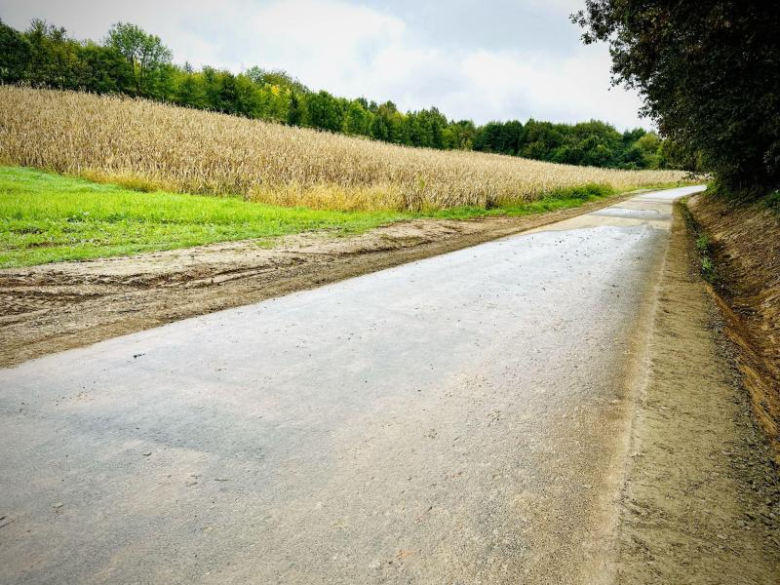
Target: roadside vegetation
[[703, 244], [132, 62], [773, 201], [46, 217], [146, 145]]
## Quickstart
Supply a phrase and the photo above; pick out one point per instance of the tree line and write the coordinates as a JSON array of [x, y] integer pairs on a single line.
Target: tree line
[[132, 62]]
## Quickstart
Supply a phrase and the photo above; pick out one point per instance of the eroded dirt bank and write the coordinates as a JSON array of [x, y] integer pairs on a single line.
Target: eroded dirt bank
[[745, 244], [701, 501], [60, 306]]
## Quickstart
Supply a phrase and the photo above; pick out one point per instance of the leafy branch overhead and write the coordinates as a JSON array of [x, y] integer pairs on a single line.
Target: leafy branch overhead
[[710, 74]]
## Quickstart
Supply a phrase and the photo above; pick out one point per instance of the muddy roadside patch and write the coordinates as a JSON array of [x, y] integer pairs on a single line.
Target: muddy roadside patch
[[701, 499], [60, 306]]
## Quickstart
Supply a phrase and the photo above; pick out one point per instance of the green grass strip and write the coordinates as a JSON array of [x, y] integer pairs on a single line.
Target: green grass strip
[[45, 217]]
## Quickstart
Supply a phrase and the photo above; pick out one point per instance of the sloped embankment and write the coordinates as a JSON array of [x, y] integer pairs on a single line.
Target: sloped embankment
[[745, 246]]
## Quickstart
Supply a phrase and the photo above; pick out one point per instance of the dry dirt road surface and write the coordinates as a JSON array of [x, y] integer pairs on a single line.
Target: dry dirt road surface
[[461, 419], [53, 307]]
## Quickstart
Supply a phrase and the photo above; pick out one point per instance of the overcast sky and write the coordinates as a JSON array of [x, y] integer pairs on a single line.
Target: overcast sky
[[488, 60]]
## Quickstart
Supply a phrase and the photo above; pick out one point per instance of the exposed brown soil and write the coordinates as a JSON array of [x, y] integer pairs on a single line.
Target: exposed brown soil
[[746, 252], [54, 307], [701, 501]]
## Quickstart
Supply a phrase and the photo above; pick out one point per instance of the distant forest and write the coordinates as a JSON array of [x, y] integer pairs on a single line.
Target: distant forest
[[130, 61]]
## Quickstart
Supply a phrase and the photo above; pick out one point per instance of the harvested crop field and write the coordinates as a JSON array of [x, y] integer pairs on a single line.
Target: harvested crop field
[[151, 146]]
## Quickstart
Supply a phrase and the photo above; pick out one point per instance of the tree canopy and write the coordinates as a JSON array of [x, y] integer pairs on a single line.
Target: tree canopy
[[709, 72], [145, 54]]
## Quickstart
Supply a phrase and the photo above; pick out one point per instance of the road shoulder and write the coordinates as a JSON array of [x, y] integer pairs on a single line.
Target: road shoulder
[[61, 306], [700, 499]]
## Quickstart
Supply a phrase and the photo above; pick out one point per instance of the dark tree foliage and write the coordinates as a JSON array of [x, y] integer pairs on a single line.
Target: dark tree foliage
[[134, 62], [15, 53], [44, 56], [326, 111], [103, 70], [500, 137], [709, 71]]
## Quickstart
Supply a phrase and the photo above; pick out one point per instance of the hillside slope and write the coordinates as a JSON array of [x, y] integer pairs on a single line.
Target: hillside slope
[[748, 284], [152, 146]]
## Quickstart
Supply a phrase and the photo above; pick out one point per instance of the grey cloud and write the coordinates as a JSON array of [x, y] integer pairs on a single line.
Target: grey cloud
[[497, 24]]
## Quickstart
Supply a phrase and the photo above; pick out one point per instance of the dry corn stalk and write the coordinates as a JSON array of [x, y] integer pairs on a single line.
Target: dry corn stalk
[[150, 145]]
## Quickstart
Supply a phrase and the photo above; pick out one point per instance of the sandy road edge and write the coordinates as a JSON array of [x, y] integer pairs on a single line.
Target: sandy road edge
[[69, 305], [699, 502], [633, 373]]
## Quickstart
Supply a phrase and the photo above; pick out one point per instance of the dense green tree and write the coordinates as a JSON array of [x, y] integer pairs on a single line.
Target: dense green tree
[[542, 139], [326, 112], [394, 126], [54, 58], [648, 146], [435, 123], [500, 137], [357, 119], [189, 89], [380, 129], [104, 70], [277, 102], [45, 56], [276, 77], [631, 136], [148, 58], [709, 72], [299, 110], [460, 135], [15, 54], [419, 130]]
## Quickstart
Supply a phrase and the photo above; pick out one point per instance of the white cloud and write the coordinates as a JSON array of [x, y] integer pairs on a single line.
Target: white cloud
[[354, 49], [571, 89]]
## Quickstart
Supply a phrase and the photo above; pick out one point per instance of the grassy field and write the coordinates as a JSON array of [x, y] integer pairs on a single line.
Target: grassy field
[[151, 146], [46, 217]]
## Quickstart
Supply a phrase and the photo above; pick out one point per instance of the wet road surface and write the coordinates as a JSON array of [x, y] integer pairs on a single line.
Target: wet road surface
[[461, 419]]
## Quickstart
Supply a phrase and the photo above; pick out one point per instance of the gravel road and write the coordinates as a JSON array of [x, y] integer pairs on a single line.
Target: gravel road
[[460, 419]]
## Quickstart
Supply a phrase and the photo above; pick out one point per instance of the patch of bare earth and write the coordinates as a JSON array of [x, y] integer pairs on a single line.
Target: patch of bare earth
[[54, 307], [701, 500], [746, 252]]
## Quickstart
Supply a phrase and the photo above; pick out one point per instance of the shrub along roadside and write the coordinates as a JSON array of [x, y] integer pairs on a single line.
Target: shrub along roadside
[[773, 201], [703, 244]]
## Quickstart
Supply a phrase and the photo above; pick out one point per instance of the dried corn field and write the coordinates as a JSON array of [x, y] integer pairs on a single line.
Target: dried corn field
[[150, 145]]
